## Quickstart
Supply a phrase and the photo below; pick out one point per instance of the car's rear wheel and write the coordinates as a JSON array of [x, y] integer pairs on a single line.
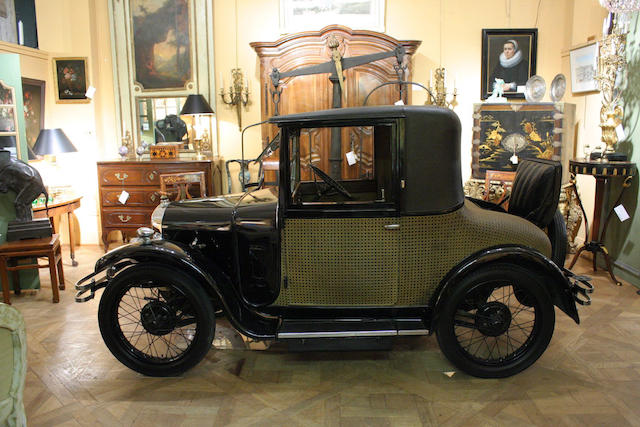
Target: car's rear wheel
[[155, 320], [486, 331]]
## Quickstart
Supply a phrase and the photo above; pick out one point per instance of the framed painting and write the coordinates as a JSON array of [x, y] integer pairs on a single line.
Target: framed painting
[[303, 15], [510, 56], [8, 117], [162, 43], [71, 79], [584, 67], [33, 100]]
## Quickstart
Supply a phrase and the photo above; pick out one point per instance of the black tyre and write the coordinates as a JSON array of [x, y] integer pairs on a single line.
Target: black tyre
[[557, 232], [496, 336], [156, 320]]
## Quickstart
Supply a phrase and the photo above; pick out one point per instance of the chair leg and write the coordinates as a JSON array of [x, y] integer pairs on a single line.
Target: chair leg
[[54, 277], [60, 270], [4, 277]]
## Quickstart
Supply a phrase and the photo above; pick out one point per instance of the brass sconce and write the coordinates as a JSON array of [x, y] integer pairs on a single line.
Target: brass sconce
[[438, 93], [238, 95]]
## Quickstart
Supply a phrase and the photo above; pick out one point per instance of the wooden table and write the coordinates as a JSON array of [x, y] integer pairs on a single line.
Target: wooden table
[[602, 170], [60, 207]]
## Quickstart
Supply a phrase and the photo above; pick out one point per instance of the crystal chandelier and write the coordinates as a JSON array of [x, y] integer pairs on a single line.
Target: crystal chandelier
[[618, 6]]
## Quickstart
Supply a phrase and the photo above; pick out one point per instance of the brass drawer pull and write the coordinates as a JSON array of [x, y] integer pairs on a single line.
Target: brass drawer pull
[[124, 218], [121, 178]]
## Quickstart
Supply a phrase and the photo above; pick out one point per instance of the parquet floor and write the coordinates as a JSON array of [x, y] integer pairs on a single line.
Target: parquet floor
[[589, 375]]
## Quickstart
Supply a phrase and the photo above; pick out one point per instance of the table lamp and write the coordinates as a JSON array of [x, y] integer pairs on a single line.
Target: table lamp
[[51, 142], [196, 105]]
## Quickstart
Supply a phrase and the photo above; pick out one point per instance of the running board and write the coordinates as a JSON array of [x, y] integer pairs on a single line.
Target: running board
[[344, 328]]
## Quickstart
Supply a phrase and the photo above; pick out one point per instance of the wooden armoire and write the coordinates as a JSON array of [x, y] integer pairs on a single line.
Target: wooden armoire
[[314, 92]]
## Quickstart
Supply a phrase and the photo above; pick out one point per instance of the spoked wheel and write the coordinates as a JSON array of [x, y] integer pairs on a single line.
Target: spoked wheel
[[156, 321], [496, 322]]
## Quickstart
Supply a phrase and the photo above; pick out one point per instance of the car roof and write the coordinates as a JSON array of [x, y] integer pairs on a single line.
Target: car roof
[[351, 113]]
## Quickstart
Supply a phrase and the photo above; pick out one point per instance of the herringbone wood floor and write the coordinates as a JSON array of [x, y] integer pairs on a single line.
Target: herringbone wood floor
[[589, 375]]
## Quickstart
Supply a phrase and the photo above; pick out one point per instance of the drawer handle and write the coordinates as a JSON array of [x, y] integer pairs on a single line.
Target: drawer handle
[[152, 175], [124, 218], [121, 178]]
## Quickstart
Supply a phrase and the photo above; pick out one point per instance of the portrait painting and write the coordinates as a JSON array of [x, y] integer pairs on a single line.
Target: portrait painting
[[584, 68], [70, 77], [33, 100], [510, 56], [162, 43]]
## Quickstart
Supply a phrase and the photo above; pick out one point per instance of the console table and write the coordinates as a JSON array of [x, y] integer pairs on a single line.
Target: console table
[[602, 171], [60, 207], [141, 179]]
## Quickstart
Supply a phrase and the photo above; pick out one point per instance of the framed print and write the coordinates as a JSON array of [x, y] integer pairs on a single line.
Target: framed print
[[303, 15], [71, 79], [33, 102], [584, 67], [162, 43], [8, 117], [510, 55]]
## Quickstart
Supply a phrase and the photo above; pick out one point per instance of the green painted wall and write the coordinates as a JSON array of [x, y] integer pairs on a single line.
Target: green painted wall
[[623, 238]]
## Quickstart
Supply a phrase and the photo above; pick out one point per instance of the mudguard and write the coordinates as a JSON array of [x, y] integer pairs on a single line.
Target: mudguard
[[564, 287], [215, 282]]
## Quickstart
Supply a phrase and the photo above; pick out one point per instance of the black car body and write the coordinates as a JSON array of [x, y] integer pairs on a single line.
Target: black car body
[[397, 250]]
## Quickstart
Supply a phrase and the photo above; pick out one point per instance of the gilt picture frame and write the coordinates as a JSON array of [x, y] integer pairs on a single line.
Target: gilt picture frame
[[514, 70], [71, 78]]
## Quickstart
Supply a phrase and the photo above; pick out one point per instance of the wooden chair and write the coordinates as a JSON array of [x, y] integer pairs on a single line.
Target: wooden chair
[[504, 181], [46, 247], [181, 183], [249, 173]]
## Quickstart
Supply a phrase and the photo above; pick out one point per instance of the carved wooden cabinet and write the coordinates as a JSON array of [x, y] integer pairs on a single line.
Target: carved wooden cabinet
[[141, 179], [314, 92]]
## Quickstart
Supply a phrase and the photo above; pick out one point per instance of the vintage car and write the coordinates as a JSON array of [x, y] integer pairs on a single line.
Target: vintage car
[[388, 246]]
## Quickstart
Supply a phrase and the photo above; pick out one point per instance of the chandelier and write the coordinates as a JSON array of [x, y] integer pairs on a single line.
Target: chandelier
[[620, 6]]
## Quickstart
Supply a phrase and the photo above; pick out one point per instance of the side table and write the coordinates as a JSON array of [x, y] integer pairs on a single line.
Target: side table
[[60, 207], [602, 171]]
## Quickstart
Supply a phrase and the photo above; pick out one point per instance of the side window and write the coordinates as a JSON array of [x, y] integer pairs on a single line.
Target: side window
[[362, 173]]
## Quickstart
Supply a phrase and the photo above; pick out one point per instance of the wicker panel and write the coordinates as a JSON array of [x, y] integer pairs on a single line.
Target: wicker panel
[[432, 245], [345, 261]]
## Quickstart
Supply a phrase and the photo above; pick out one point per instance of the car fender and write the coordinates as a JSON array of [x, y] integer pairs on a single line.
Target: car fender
[[210, 276], [556, 283]]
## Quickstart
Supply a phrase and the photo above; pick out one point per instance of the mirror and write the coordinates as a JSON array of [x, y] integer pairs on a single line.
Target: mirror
[[159, 121]]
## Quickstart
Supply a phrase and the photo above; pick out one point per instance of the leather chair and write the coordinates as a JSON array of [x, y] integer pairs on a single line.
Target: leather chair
[[13, 366]]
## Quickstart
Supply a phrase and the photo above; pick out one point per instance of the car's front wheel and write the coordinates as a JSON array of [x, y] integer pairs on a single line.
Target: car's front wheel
[[496, 322], [155, 320]]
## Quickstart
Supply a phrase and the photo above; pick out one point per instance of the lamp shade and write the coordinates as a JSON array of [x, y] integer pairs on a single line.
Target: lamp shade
[[52, 141], [196, 104]]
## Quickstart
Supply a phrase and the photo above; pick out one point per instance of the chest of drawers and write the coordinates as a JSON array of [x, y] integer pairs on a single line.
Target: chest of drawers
[[141, 179]]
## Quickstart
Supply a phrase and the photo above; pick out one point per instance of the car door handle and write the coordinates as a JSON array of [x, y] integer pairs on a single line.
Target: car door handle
[[392, 226]]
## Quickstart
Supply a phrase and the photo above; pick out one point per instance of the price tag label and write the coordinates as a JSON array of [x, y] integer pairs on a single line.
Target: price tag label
[[622, 213], [351, 158], [124, 196], [514, 159], [91, 91], [399, 102], [620, 132]]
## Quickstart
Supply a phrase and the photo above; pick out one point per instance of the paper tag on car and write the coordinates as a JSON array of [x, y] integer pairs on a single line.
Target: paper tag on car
[[351, 158], [399, 102], [124, 196], [514, 159], [622, 213], [620, 132], [521, 89]]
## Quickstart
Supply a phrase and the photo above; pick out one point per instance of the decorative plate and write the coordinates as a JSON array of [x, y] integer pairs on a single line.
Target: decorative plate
[[558, 87], [534, 89], [514, 142]]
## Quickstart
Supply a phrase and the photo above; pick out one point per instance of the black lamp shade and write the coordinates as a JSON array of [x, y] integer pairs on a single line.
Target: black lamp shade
[[196, 104], [52, 141]]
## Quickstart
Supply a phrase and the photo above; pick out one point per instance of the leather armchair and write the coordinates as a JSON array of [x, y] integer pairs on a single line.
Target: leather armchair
[[13, 366]]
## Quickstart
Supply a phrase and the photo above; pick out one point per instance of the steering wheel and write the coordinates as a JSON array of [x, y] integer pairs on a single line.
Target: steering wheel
[[330, 181]]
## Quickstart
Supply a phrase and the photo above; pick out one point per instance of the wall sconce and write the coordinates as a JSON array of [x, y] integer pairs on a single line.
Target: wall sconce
[[440, 90], [197, 105], [238, 95]]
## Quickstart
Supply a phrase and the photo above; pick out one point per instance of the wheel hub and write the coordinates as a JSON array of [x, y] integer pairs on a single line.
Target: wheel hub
[[158, 318], [493, 318]]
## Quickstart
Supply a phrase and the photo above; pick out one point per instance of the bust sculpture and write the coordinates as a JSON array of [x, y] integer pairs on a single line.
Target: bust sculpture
[[24, 180]]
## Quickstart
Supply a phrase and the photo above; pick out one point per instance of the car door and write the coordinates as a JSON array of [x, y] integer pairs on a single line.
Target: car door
[[339, 250]]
